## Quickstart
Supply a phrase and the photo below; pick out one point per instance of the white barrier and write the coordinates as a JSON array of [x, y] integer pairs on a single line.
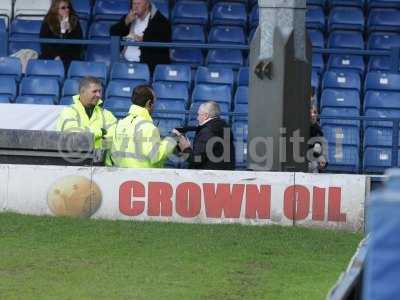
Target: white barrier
[[318, 200]]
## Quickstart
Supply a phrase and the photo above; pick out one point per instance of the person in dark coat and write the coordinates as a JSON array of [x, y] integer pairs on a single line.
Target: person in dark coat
[[317, 163], [213, 147], [144, 23], [61, 22]]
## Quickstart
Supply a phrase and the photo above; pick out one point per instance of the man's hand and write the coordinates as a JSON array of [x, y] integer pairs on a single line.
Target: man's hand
[[130, 17], [138, 38], [183, 143]]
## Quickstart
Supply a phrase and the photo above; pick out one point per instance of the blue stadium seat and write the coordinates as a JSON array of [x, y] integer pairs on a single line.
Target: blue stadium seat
[[379, 63], [241, 102], [218, 76], [342, 135], [69, 89], [84, 27], [165, 125], [321, 3], [189, 34], [315, 81], [45, 68], [383, 41], [111, 10], [383, 20], [8, 90], [240, 130], [205, 92], [21, 28], [82, 8], [226, 34], [99, 53], [190, 12], [383, 4], [315, 18], [80, 69], [346, 18], [338, 112], [382, 81], [39, 90], [340, 98], [378, 137], [354, 3], [346, 39], [162, 6], [118, 97], [169, 109], [318, 63], [254, 17], [174, 74], [341, 80], [137, 73], [229, 13], [343, 159], [226, 58], [339, 62], [376, 159], [382, 100], [316, 38], [10, 68], [243, 76], [168, 92], [381, 113]]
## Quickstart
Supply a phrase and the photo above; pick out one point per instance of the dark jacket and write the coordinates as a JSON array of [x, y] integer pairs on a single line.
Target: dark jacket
[[67, 52], [198, 158], [158, 30]]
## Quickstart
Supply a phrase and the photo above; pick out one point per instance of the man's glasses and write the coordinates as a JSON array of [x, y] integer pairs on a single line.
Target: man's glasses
[[64, 7]]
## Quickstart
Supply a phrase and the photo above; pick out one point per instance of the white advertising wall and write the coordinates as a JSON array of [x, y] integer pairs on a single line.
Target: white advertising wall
[[253, 198]]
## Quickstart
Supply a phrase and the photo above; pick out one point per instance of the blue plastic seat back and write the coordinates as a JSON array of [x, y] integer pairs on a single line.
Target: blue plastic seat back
[[190, 12], [377, 159], [118, 106], [226, 35], [8, 90], [346, 18], [243, 76], [315, 18], [211, 75], [340, 98], [34, 99], [80, 69], [352, 3], [70, 87], [341, 80], [336, 112], [100, 30], [383, 41], [207, 92], [346, 39], [40, 87], [382, 114], [344, 135], [173, 73], [128, 72], [111, 10], [254, 17], [378, 137], [341, 62], [318, 63], [229, 13], [82, 8], [384, 20], [382, 100], [165, 125], [188, 33], [117, 89], [21, 28], [229, 58], [343, 158], [383, 4], [382, 81], [317, 38], [10, 67], [240, 130], [45, 68], [162, 6], [170, 108], [379, 63], [171, 91], [187, 56]]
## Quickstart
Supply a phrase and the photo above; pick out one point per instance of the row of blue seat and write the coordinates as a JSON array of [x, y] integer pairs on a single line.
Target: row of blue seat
[[369, 4]]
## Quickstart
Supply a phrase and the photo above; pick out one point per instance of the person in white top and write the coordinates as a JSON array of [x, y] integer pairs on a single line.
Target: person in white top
[[144, 23]]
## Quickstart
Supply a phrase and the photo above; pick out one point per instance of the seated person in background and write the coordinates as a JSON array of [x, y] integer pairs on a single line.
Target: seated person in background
[[144, 23], [87, 114], [213, 147], [317, 162], [61, 22]]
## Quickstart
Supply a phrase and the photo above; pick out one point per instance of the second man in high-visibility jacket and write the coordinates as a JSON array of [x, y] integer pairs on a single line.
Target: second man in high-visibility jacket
[[136, 141]]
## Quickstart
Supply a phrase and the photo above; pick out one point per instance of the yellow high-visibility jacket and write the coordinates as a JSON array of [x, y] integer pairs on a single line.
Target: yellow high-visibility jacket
[[75, 119], [136, 142]]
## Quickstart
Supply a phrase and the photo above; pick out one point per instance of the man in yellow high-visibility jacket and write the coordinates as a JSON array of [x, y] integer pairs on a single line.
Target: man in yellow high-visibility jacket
[[86, 114], [136, 141]]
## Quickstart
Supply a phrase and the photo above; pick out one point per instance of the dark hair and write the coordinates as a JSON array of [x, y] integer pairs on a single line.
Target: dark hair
[[51, 17], [86, 81], [142, 94]]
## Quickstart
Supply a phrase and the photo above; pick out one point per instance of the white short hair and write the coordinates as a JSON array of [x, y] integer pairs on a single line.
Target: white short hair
[[210, 107]]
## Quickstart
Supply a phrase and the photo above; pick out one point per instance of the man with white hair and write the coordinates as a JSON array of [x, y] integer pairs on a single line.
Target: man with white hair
[[144, 23], [213, 147]]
